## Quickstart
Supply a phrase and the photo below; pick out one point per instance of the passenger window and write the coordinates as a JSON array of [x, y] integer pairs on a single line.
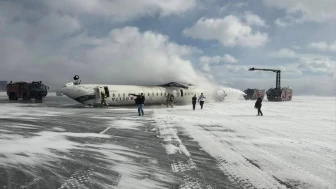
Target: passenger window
[[157, 94], [113, 95], [148, 94], [123, 94], [185, 93], [161, 94], [118, 94]]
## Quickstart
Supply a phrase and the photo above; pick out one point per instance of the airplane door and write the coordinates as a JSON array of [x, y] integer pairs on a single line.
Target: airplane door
[[107, 92], [97, 94], [181, 92]]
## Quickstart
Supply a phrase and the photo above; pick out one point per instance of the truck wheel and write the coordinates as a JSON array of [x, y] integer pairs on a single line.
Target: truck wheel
[[12, 96], [26, 97], [38, 98]]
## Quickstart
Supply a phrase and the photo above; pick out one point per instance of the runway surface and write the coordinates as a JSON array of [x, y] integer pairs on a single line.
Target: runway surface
[[62, 144]]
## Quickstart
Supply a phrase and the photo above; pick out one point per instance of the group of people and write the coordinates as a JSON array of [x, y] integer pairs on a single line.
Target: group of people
[[201, 100], [140, 101]]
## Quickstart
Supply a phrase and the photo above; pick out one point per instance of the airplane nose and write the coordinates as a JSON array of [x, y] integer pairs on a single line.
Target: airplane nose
[[63, 90], [67, 89]]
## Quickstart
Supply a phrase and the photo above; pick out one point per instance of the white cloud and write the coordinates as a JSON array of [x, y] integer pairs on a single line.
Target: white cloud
[[205, 61], [281, 23], [217, 59], [243, 70], [296, 47], [284, 53], [124, 56], [306, 62], [56, 24], [304, 10], [252, 19], [324, 65], [323, 46], [230, 31], [143, 56], [120, 10], [300, 86], [291, 75], [229, 6], [54, 40]]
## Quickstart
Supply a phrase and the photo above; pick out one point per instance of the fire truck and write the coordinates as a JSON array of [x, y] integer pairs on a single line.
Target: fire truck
[[253, 94], [27, 91], [277, 93]]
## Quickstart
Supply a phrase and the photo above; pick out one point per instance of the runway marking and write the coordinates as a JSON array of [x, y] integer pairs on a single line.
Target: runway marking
[[105, 130]]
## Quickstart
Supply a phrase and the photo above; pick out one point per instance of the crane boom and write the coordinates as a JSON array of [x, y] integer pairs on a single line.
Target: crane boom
[[278, 72]]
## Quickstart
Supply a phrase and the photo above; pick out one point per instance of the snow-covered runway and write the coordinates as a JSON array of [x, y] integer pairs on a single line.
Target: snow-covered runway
[[60, 144], [292, 146]]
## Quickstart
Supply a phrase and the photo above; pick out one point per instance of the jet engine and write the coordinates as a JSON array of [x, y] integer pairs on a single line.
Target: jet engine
[[219, 95]]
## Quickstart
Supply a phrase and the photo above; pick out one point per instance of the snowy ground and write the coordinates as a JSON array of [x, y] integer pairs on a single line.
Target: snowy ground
[[60, 144], [293, 145]]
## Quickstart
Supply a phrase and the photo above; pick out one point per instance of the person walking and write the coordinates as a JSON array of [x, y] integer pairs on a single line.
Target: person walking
[[201, 100], [258, 106], [168, 100], [140, 102], [172, 100], [103, 99], [194, 99]]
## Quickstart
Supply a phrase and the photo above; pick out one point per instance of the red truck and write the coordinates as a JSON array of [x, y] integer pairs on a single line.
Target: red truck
[[26, 91]]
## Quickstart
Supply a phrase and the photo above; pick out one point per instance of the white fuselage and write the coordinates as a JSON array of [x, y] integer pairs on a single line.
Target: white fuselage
[[119, 95]]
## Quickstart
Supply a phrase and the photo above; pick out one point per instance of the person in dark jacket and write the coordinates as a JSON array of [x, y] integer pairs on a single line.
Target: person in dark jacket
[[258, 106], [140, 101], [194, 99]]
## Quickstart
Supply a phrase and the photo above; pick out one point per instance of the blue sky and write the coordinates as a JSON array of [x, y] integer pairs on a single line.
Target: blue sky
[[152, 42]]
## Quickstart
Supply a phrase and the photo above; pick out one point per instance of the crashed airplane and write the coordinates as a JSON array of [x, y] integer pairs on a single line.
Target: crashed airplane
[[120, 95]]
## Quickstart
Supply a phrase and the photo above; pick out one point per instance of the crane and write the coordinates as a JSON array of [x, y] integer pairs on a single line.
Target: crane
[[278, 93], [278, 72]]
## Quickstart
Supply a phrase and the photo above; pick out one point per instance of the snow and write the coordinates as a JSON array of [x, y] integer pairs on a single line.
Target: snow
[[292, 146], [28, 113], [16, 148], [294, 143]]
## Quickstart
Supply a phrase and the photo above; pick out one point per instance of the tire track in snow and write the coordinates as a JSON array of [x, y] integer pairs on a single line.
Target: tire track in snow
[[182, 166], [235, 166], [266, 156]]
